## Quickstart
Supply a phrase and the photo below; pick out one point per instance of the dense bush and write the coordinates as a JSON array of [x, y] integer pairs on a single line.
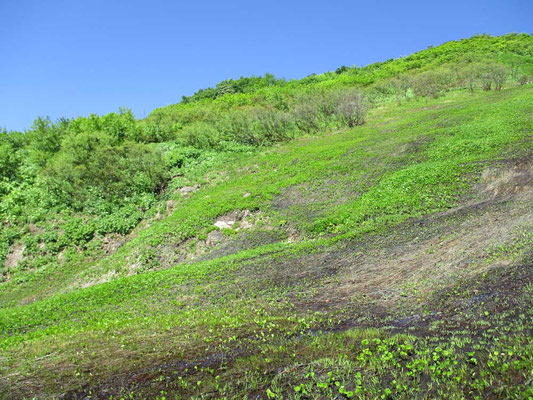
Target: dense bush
[[44, 140], [201, 135], [93, 165], [306, 117], [351, 107], [231, 86], [493, 76], [8, 161], [239, 126], [400, 86], [523, 79], [432, 83], [272, 125]]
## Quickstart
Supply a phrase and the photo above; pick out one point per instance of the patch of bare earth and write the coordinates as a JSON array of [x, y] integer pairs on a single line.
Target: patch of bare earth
[[232, 232], [15, 255], [432, 251]]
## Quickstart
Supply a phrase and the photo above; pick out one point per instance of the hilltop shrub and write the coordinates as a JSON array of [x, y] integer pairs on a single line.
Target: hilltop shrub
[[44, 139], [231, 86], [120, 125]]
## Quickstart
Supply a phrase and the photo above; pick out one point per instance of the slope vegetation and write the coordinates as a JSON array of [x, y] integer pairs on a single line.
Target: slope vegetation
[[359, 234]]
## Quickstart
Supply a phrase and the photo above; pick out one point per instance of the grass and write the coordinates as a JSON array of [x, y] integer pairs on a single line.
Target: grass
[[250, 323]]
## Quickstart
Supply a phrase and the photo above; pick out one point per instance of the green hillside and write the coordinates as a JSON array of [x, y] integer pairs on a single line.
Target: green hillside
[[365, 233]]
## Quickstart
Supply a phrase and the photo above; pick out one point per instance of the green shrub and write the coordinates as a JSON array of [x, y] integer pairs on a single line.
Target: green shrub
[[351, 107], [431, 84], [523, 79], [272, 126], [8, 161], [238, 125], [179, 156], [44, 139], [306, 117], [400, 86], [493, 75], [201, 135], [92, 165]]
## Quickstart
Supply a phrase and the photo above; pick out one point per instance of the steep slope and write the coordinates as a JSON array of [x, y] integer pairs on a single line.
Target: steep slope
[[388, 260]]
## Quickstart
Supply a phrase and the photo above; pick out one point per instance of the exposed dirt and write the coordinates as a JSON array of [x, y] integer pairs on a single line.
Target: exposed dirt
[[496, 292], [238, 219], [15, 255], [146, 377], [429, 251], [514, 179], [112, 242]]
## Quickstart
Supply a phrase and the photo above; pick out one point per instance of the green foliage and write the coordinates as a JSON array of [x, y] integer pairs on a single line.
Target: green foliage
[[431, 84], [351, 108], [201, 135], [44, 140], [231, 86], [94, 165], [8, 161]]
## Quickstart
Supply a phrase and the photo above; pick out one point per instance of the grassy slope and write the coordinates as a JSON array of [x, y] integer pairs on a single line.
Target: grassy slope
[[254, 321], [58, 246]]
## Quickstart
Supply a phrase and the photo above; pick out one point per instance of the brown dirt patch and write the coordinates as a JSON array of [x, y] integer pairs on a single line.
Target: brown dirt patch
[[15, 255]]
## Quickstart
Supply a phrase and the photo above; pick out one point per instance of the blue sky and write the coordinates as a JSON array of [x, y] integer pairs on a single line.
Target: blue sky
[[72, 58]]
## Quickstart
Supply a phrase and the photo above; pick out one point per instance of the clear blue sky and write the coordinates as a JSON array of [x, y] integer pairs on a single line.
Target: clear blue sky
[[72, 58]]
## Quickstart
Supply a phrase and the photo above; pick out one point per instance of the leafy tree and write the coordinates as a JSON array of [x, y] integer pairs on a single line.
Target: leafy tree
[[45, 139], [431, 83], [342, 69], [523, 79], [499, 76], [8, 161]]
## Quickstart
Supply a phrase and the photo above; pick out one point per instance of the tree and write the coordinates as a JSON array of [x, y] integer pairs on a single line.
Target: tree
[[45, 139], [493, 75], [523, 79], [499, 76], [471, 76], [342, 69]]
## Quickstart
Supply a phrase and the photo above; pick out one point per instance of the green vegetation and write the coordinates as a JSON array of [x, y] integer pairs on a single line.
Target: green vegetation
[[338, 236]]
